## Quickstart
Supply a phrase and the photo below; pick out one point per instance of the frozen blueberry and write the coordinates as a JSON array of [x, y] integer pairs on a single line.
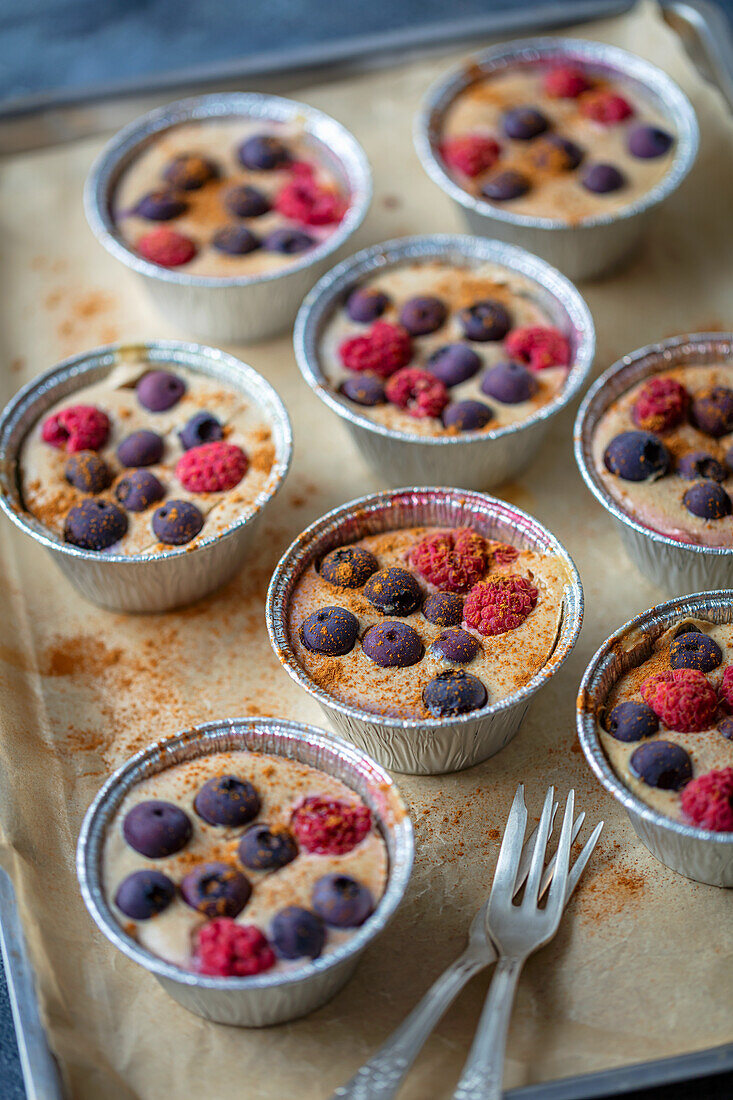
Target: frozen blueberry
[[156, 829], [695, 650], [632, 722], [454, 692], [159, 390], [505, 186], [160, 206], [699, 464], [227, 800], [726, 728], [246, 201], [216, 890], [95, 524], [456, 645], [141, 448], [393, 591], [423, 315], [467, 416], [603, 178], [365, 305], [348, 566], [144, 894], [392, 644], [297, 933], [661, 764], [138, 490], [341, 901], [263, 152], [264, 849], [557, 152], [649, 141], [177, 522], [453, 364], [288, 241], [510, 383], [637, 456], [203, 427], [190, 171], [331, 630], [485, 320], [712, 411], [364, 389], [708, 500], [443, 609], [524, 123], [235, 240], [87, 472]]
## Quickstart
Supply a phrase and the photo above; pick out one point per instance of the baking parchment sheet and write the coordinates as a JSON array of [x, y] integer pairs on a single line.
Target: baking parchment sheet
[[642, 965]]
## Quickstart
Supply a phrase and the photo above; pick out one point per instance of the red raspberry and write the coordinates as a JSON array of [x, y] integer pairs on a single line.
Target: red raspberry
[[470, 153], [565, 82], [417, 391], [725, 691], [225, 949], [605, 107], [499, 604], [538, 347], [212, 467], [382, 350], [166, 247], [683, 698], [451, 560], [310, 203], [78, 428], [504, 554], [329, 827], [708, 800], [661, 405]]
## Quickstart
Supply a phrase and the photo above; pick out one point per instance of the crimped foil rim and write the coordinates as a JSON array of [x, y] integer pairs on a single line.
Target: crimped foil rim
[[103, 176], [100, 813], [662, 615], [668, 94], [642, 363], [327, 293], [189, 355], [299, 554]]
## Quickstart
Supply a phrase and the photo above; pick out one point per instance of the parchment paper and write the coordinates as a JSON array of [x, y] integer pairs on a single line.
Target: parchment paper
[[641, 967]]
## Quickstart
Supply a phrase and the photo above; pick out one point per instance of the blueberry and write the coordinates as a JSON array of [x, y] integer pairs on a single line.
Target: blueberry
[[423, 315], [138, 490], [393, 591], [454, 692], [235, 240], [87, 472], [203, 427], [348, 566], [141, 448], [216, 890], [695, 650], [456, 645], [364, 389], [288, 241], [453, 364], [157, 829], [632, 721], [524, 123], [365, 305], [505, 186], [144, 894], [661, 764], [392, 644], [160, 206], [699, 464], [189, 171], [708, 500], [637, 456], [712, 411], [246, 202], [467, 416], [227, 800], [341, 901], [297, 933], [485, 320], [649, 141], [726, 728], [264, 849], [555, 152], [332, 630], [603, 178], [263, 152], [95, 524], [159, 390], [510, 383], [443, 609], [177, 522]]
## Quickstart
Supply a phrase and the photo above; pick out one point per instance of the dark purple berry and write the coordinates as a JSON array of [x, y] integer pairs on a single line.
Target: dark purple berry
[[393, 591], [341, 901], [216, 890], [649, 141], [364, 389], [726, 728], [203, 427], [141, 448], [138, 490], [235, 240], [297, 933], [637, 456], [708, 500], [505, 186], [263, 152], [331, 630], [695, 650], [712, 411], [246, 202], [523, 123], [365, 305], [452, 693], [467, 416], [392, 644], [160, 206], [554, 152], [661, 764], [603, 178], [444, 609], [157, 829], [423, 315], [632, 722], [699, 464], [177, 522], [227, 800], [159, 390], [456, 645], [95, 524], [144, 894], [453, 364], [190, 171], [485, 320], [264, 849], [288, 241], [87, 472], [510, 383], [348, 566]]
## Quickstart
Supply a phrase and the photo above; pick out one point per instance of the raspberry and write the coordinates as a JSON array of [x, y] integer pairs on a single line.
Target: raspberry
[[661, 405], [708, 800], [451, 560], [605, 107], [538, 347], [684, 699], [417, 391], [78, 428], [310, 203], [329, 827], [504, 554], [225, 949], [382, 350], [499, 604], [565, 82], [166, 247], [470, 153], [212, 467], [725, 691]]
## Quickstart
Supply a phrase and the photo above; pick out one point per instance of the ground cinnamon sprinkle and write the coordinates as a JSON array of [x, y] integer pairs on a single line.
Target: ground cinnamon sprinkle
[[83, 655]]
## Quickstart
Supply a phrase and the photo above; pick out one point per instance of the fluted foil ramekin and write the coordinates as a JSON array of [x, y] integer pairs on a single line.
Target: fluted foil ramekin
[[696, 853], [269, 998], [596, 245], [237, 308], [182, 574], [676, 567], [438, 745], [471, 460]]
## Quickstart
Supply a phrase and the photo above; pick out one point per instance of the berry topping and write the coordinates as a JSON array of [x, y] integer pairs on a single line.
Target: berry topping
[[141, 448], [203, 427], [499, 604], [603, 178], [263, 848], [708, 801], [225, 949], [364, 390], [235, 240], [310, 203], [700, 464], [212, 467], [288, 241], [341, 901], [451, 560], [330, 630], [245, 201], [160, 205], [189, 172], [510, 383], [708, 500], [553, 153], [95, 524], [454, 692], [227, 800], [471, 154], [637, 456], [467, 416], [262, 153], [366, 305], [87, 472], [695, 650], [605, 107], [297, 933], [156, 829], [453, 364], [392, 645], [443, 609], [523, 123], [382, 350], [166, 247], [348, 566], [423, 315], [503, 553], [661, 764], [726, 728], [632, 722], [538, 347], [505, 186], [726, 688], [138, 490], [330, 827], [144, 894], [78, 428], [177, 522], [661, 405], [216, 890], [485, 320], [393, 591], [712, 411], [649, 141], [456, 645], [159, 390], [565, 82], [417, 391], [683, 699]]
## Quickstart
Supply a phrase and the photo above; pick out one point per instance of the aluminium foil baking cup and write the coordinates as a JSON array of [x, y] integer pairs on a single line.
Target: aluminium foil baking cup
[[238, 308], [174, 577], [423, 746], [268, 998], [696, 853], [596, 245], [677, 567], [471, 460]]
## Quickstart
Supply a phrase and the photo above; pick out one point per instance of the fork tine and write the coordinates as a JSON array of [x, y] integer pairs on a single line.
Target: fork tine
[[538, 855], [511, 848], [582, 860], [556, 897], [527, 850], [550, 868]]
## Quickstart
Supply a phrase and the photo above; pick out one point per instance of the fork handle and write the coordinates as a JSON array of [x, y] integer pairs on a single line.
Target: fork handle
[[484, 1069]]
